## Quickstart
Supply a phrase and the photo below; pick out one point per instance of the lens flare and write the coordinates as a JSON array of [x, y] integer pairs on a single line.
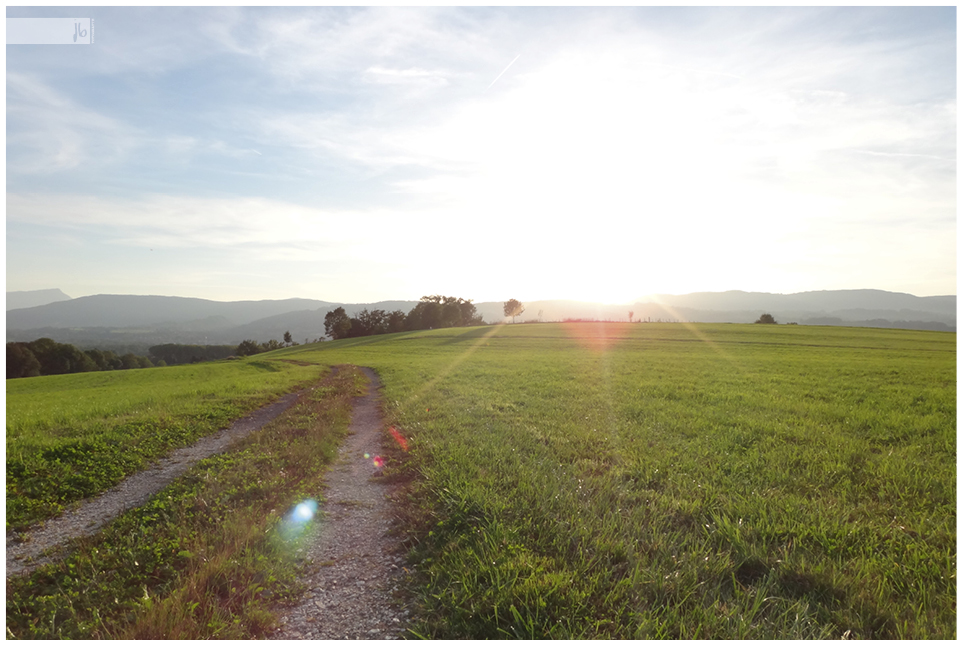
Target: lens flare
[[296, 521], [304, 511], [399, 438]]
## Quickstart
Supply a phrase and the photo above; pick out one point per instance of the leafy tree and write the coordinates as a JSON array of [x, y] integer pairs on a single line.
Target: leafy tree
[[21, 362], [442, 311], [130, 361], [247, 348], [287, 339], [450, 313], [766, 319], [73, 359], [513, 308], [395, 321], [425, 315], [98, 358], [369, 323], [357, 329], [44, 349], [60, 358], [112, 361], [105, 359], [337, 324]]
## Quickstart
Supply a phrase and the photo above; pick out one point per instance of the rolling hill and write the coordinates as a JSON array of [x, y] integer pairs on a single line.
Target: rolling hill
[[25, 299], [140, 321]]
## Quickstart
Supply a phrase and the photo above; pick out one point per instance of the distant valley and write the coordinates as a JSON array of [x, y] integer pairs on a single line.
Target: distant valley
[[131, 323]]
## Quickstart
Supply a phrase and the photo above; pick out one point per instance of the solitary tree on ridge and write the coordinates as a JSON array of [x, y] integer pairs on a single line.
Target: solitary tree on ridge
[[514, 308]]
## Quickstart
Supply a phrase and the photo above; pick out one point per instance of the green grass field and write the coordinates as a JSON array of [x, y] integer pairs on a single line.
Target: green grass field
[[211, 555], [592, 480], [678, 481], [73, 436]]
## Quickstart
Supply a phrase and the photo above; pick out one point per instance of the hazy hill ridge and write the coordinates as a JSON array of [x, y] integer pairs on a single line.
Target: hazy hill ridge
[[25, 299], [871, 299], [840, 307], [168, 319], [140, 311]]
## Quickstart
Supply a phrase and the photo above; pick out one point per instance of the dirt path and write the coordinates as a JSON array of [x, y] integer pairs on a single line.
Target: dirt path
[[355, 565], [134, 491]]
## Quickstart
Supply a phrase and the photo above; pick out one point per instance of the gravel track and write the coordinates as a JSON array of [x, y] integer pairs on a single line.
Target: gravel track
[[354, 564], [40, 542]]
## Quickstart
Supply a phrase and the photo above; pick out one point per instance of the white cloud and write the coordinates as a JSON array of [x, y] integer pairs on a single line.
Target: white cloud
[[615, 137], [407, 76]]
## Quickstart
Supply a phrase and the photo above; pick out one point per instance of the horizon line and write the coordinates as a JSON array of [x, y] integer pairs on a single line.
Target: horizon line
[[643, 299]]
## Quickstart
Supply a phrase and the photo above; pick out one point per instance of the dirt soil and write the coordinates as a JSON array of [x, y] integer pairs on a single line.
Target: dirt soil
[[355, 566]]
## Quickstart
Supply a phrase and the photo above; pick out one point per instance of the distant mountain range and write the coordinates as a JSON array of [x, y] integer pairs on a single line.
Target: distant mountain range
[[24, 299], [140, 321]]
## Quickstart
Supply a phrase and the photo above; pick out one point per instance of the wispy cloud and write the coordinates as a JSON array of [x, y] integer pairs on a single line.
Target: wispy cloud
[[270, 229], [49, 132], [407, 76], [621, 135]]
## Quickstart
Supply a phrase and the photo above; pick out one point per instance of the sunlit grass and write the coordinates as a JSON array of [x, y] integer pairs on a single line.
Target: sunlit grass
[[645, 481], [209, 557], [654, 481], [73, 436]]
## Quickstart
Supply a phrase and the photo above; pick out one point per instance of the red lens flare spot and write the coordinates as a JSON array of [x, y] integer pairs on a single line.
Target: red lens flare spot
[[398, 437], [598, 336]]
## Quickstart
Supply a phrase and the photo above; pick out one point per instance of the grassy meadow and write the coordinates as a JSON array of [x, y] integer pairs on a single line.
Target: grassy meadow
[[73, 436], [212, 555], [588, 480], [615, 480]]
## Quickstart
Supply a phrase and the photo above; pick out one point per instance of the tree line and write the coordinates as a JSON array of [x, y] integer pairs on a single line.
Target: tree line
[[432, 312], [174, 354], [47, 357], [250, 346]]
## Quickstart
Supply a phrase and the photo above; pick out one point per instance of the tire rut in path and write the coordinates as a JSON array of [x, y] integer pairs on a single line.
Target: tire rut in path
[[132, 492], [354, 564]]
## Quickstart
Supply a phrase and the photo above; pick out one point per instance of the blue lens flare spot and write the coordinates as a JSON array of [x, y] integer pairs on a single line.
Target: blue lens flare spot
[[304, 511], [296, 521]]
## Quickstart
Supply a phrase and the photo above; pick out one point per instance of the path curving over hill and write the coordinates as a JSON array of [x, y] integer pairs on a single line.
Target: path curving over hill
[[355, 564]]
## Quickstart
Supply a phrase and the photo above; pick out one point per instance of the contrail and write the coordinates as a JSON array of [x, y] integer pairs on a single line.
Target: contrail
[[503, 72]]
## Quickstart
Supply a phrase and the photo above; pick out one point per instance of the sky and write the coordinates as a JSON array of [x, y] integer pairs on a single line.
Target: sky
[[383, 153]]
